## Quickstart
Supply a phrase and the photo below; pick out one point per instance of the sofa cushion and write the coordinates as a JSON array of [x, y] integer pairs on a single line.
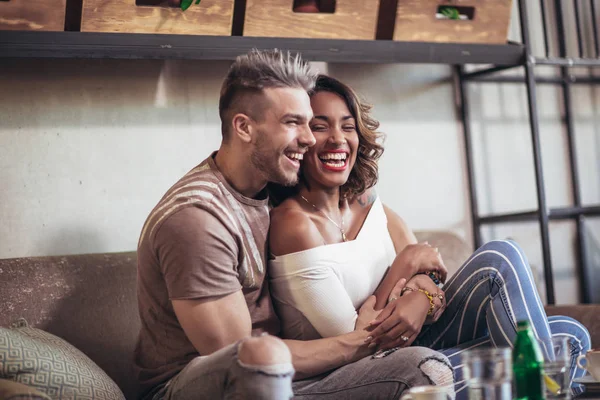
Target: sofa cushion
[[453, 248], [89, 300], [51, 365], [10, 390]]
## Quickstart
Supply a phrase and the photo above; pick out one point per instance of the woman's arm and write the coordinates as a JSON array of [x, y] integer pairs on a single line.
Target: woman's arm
[[411, 258]]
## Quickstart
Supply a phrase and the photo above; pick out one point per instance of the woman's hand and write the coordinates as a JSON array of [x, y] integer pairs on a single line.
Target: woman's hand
[[439, 299], [423, 258], [366, 314], [400, 321]]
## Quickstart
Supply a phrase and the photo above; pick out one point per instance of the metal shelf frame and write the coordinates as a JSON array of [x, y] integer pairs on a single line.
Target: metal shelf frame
[[543, 214], [160, 46]]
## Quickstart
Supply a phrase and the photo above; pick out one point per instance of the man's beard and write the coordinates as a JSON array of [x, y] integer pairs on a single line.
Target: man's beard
[[266, 161]]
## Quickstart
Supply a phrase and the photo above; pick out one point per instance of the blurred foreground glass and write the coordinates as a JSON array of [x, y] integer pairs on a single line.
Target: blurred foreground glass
[[488, 373], [426, 393], [556, 372]]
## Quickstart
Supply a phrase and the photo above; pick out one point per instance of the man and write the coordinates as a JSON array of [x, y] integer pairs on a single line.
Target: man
[[208, 324]]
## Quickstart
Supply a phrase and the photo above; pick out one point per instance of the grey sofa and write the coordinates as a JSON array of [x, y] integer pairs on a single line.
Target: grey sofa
[[90, 301]]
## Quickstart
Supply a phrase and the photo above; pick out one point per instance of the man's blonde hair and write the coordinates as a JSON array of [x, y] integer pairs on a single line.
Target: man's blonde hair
[[255, 71]]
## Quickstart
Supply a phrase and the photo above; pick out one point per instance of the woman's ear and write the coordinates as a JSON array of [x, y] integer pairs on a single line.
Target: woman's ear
[[242, 127]]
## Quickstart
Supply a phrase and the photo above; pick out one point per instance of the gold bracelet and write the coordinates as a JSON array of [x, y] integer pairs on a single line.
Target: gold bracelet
[[426, 293]]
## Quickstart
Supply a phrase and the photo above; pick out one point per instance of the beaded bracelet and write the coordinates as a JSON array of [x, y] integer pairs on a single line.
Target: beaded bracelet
[[435, 277], [426, 293]]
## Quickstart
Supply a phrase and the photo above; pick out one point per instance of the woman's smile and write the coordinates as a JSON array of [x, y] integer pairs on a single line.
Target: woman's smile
[[335, 160]]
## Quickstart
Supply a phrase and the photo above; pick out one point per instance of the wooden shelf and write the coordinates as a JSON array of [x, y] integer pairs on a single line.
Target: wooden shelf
[[24, 44]]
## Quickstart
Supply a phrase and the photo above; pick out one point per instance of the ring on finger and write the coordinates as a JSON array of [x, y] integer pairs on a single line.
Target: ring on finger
[[392, 298], [405, 338]]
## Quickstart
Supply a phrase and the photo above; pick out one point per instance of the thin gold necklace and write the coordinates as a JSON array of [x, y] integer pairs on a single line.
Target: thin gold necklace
[[341, 228]]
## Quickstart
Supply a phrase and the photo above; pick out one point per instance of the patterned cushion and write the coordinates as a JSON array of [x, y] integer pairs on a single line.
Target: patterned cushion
[[10, 390], [51, 365]]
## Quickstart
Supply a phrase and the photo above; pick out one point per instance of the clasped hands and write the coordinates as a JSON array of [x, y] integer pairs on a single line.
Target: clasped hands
[[401, 320]]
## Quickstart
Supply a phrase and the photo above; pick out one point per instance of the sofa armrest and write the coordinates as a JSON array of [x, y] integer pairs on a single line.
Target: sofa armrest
[[587, 314]]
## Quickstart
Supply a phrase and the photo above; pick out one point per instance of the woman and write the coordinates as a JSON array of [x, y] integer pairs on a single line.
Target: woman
[[334, 244]]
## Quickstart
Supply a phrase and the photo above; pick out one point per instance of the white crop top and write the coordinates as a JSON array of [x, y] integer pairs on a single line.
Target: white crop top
[[318, 291]]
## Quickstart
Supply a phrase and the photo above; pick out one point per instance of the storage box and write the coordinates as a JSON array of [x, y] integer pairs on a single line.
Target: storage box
[[210, 17], [427, 21], [28, 15], [351, 19]]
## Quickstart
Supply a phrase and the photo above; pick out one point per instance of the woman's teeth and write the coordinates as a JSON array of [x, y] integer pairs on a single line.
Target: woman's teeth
[[336, 160], [334, 163], [333, 156]]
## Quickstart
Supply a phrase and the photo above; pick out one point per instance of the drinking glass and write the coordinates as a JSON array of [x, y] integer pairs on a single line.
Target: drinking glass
[[488, 373], [556, 371]]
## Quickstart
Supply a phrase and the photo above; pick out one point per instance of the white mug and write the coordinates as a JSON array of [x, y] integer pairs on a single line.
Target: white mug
[[592, 363], [426, 393]]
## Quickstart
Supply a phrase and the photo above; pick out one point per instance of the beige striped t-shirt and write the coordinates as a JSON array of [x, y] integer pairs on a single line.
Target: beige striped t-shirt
[[202, 239]]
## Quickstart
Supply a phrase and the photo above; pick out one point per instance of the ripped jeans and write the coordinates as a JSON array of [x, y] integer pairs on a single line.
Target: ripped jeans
[[222, 375], [384, 378]]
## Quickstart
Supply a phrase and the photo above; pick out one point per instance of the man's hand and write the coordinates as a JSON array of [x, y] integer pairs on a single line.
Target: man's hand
[[423, 258], [401, 319], [424, 282], [314, 357]]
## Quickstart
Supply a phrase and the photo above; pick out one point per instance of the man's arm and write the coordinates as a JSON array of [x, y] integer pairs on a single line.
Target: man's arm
[[212, 324], [317, 356], [198, 258], [221, 325]]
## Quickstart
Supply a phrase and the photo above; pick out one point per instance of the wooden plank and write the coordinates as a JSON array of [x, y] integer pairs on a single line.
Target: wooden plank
[[210, 17], [38, 15], [416, 22], [352, 19]]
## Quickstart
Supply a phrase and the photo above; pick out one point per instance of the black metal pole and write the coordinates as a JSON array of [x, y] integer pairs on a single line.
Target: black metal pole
[[463, 109], [537, 156], [569, 62], [578, 27], [544, 27], [560, 213], [568, 212], [560, 30], [573, 80], [595, 26], [581, 262], [485, 71]]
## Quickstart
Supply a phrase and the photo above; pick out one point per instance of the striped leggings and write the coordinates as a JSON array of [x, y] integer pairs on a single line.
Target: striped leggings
[[491, 291]]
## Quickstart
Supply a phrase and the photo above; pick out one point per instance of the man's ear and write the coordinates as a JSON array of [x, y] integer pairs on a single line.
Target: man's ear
[[242, 127]]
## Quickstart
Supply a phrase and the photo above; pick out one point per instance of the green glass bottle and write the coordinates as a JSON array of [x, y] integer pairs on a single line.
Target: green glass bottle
[[528, 365]]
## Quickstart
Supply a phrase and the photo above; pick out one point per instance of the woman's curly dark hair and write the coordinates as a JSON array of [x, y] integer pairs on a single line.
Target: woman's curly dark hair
[[364, 174]]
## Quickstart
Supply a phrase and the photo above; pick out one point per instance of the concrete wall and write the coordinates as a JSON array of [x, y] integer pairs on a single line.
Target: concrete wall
[[87, 148]]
